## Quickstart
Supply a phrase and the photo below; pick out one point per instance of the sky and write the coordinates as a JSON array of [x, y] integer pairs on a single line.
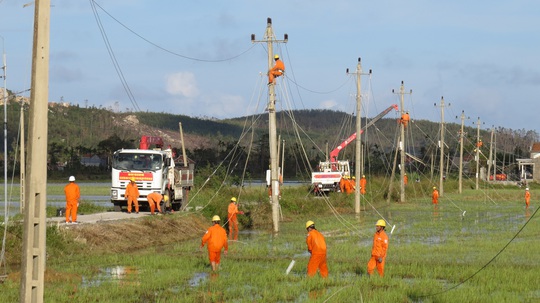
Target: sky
[[196, 58]]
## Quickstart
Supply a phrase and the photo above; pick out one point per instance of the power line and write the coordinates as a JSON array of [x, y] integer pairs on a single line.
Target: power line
[[165, 49], [113, 58], [489, 262]]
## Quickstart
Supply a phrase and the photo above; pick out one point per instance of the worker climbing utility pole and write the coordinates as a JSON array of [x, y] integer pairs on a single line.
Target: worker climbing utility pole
[[477, 154], [402, 142], [34, 230], [358, 171], [269, 38], [461, 136], [441, 143]]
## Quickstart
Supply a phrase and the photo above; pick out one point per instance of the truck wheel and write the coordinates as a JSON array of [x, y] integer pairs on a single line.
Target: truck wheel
[[117, 207]]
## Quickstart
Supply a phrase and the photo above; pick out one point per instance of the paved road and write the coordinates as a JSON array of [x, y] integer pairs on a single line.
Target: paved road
[[100, 217]]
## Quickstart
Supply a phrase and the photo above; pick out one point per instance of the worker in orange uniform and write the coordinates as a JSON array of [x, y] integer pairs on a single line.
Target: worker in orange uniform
[[154, 199], [349, 186], [479, 143], [132, 195], [405, 118], [276, 71], [405, 179], [73, 195], [317, 248], [233, 220], [527, 197], [216, 237], [435, 196], [342, 182], [363, 184], [378, 251]]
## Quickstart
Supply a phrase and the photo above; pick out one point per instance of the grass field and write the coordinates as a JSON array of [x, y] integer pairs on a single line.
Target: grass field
[[475, 247]]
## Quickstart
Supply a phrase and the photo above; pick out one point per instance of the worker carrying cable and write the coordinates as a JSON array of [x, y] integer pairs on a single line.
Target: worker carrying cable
[[233, 220], [216, 237], [435, 196], [276, 71], [405, 118], [378, 251], [317, 249]]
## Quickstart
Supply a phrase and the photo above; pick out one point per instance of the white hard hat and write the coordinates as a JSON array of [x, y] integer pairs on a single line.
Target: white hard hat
[[71, 178]]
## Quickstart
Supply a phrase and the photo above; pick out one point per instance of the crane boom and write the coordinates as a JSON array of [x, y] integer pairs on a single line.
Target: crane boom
[[334, 153]]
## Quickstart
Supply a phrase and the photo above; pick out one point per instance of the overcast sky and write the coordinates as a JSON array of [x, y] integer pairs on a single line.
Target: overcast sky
[[196, 57]]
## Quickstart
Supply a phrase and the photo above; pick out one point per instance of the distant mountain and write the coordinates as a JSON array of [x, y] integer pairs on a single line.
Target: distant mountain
[[83, 129]]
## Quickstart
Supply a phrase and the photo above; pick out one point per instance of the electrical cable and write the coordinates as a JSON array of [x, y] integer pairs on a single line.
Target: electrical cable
[[167, 50], [485, 265]]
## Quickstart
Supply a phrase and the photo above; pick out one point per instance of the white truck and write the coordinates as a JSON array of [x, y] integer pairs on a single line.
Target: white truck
[[154, 170], [327, 175]]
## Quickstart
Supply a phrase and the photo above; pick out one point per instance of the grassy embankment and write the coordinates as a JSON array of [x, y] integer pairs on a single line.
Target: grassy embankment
[[436, 254]]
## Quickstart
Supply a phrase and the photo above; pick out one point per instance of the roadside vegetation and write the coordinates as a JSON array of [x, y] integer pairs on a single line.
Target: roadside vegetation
[[479, 246]]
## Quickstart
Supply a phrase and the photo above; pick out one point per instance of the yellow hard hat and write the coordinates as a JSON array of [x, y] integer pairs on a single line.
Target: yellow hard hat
[[363, 176], [216, 218], [132, 179], [166, 198], [353, 177], [233, 199], [309, 223], [434, 187], [381, 222], [276, 57]]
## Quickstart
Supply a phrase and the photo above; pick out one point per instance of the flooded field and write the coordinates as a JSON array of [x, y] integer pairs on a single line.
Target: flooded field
[[454, 252]]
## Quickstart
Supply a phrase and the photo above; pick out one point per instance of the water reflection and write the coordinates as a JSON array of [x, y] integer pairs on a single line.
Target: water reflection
[[121, 274]]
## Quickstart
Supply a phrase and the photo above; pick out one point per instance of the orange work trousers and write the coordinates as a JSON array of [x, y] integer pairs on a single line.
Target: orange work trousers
[[233, 228], [153, 205], [71, 210], [132, 200], [374, 263], [273, 74], [317, 262], [214, 256]]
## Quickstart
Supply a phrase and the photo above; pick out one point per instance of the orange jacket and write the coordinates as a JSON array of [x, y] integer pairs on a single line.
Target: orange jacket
[[380, 244], [527, 196], [233, 210], [216, 236], [363, 183], [315, 243], [279, 66], [72, 191], [132, 191], [405, 179], [435, 196]]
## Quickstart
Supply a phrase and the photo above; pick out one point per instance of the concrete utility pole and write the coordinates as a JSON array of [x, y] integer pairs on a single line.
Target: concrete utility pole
[[5, 101], [22, 170], [358, 155], [490, 161], [269, 38], [441, 142], [461, 136], [34, 233], [477, 155], [402, 142]]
